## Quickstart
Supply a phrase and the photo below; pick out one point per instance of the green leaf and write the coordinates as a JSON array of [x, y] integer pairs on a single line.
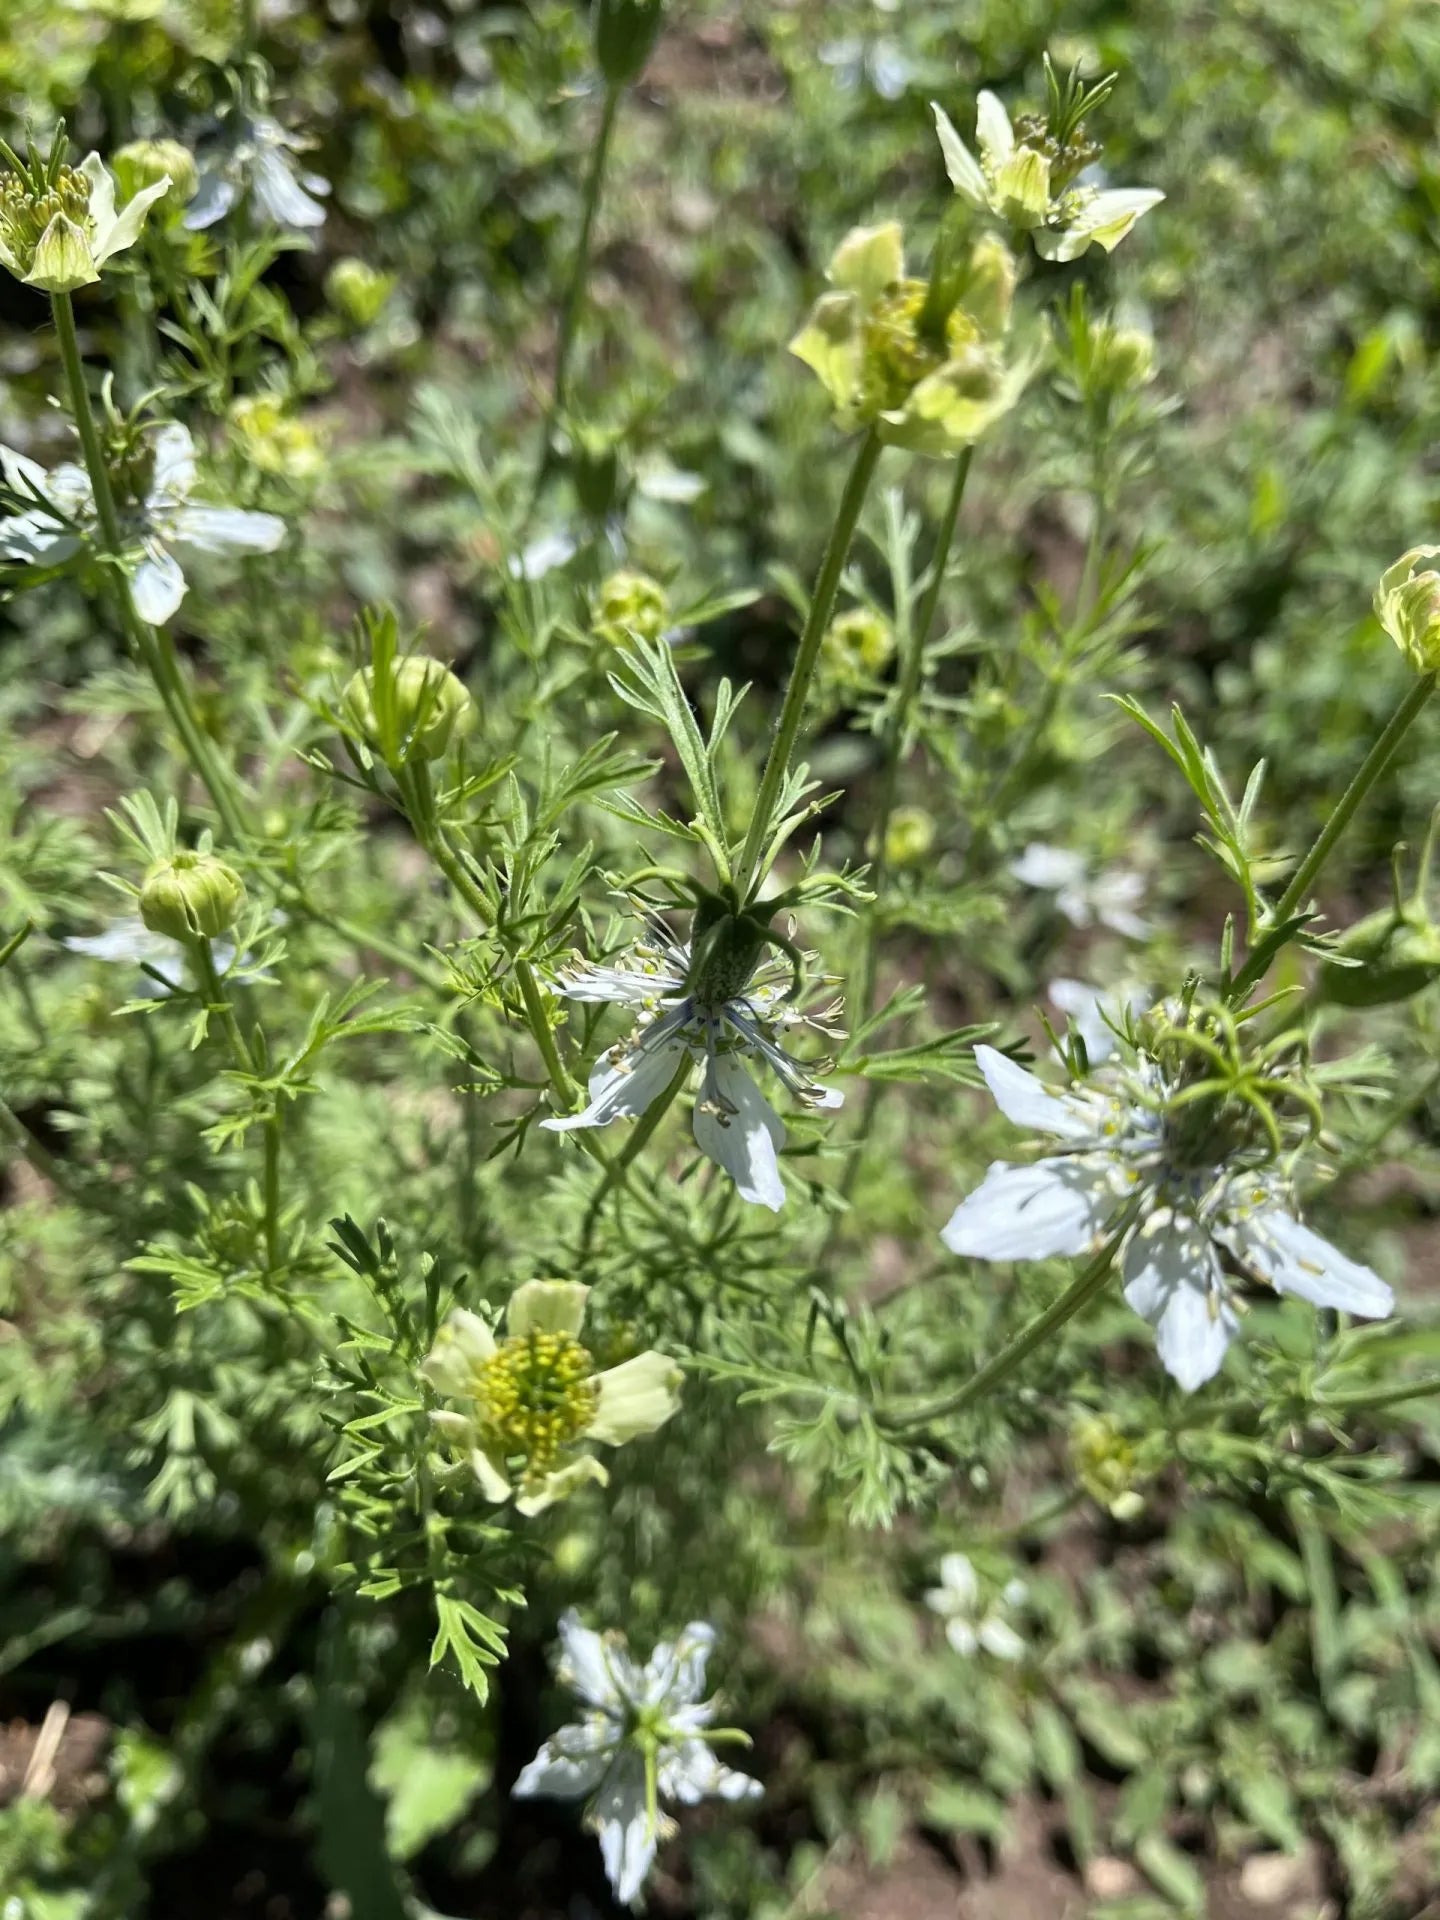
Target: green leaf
[[475, 1641], [426, 1785]]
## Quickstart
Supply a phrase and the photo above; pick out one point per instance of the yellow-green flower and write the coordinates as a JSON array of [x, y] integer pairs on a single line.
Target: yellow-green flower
[[909, 836], [1407, 605], [274, 440], [859, 644], [532, 1398], [932, 381], [59, 226], [1025, 182]]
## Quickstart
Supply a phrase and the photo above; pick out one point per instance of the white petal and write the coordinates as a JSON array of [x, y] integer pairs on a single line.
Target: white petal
[[462, 1346], [960, 164], [997, 1636], [1272, 1243], [214, 197], [585, 1664], [1173, 1280], [102, 193], [1033, 1213], [563, 1769], [993, 131], [280, 196], [547, 1306], [33, 536], [675, 1671], [627, 1838], [961, 1636], [1044, 866], [227, 530], [635, 1398], [1030, 1103], [116, 235], [735, 1126], [158, 585], [690, 1773], [617, 986], [625, 1080], [175, 465], [958, 1579], [22, 474]]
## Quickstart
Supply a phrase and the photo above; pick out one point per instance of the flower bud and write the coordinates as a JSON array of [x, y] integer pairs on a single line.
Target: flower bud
[[625, 35], [358, 291], [144, 163], [1398, 956], [273, 440], [631, 603], [191, 896], [909, 836], [432, 709], [858, 645], [1407, 605], [1108, 1466]]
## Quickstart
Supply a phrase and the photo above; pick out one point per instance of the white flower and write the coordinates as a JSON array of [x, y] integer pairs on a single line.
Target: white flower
[[640, 1740], [734, 1122], [970, 1621], [58, 240], [545, 553], [1194, 1225], [162, 522], [1094, 1013], [1012, 181], [253, 155], [529, 1401], [1110, 897]]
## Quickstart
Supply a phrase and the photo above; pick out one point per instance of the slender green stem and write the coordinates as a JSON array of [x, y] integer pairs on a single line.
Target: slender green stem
[[1076, 1297], [792, 713], [575, 291], [154, 648], [1369, 1400], [218, 1004], [544, 1033], [912, 669], [641, 1133], [246, 1061], [1306, 874]]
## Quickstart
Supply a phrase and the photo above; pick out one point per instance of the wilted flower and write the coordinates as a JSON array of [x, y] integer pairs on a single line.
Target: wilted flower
[[534, 1396], [1407, 605], [642, 1739], [253, 155], [1197, 1212], [158, 519], [973, 1620], [191, 896], [1094, 1013], [926, 371], [1110, 897], [59, 224], [1026, 183], [725, 1011]]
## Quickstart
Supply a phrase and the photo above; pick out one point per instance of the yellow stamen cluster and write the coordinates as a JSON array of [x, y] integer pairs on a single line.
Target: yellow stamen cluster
[[1066, 157], [25, 214], [896, 358], [538, 1396]]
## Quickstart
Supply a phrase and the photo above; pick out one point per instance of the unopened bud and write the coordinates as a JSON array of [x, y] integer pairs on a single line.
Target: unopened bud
[[431, 709], [1407, 605], [358, 291], [858, 644], [191, 896], [625, 35], [909, 836], [631, 603], [144, 163]]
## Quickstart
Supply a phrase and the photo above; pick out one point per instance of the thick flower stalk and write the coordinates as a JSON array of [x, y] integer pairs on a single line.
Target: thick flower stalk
[[974, 1619], [531, 1399], [59, 224], [921, 362], [718, 1007], [643, 1737], [159, 523], [1026, 178], [1203, 1210]]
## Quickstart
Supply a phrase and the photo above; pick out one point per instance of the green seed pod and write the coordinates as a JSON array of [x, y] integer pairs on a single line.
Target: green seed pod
[[191, 896], [142, 163], [630, 603], [625, 36], [432, 709], [1399, 957]]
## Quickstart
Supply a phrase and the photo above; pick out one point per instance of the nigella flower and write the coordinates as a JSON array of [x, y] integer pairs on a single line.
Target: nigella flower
[[726, 1015], [1110, 897], [1024, 183], [974, 1620], [254, 155], [641, 1739], [158, 518], [1196, 1218], [529, 1400]]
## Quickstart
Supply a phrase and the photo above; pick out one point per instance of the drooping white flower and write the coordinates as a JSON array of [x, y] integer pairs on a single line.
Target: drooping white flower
[[1194, 1226], [974, 1619], [1110, 896], [529, 1401], [253, 155], [158, 523], [1012, 180], [1094, 1012], [735, 1125], [640, 1740]]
